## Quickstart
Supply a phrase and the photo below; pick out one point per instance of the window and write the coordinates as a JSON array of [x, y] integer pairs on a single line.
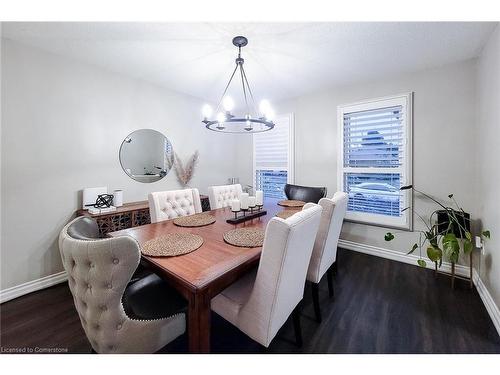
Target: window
[[375, 160], [273, 158]]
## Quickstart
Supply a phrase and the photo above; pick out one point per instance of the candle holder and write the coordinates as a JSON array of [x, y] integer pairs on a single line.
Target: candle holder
[[236, 214], [242, 218]]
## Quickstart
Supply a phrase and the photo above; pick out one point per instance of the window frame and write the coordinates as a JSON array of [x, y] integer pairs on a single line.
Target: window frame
[[405, 222], [290, 119]]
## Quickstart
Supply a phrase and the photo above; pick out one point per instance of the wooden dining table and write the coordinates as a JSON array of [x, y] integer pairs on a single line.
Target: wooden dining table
[[202, 274]]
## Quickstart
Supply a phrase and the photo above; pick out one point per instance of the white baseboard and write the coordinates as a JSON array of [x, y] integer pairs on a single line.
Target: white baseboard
[[460, 270], [32, 286], [488, 301], [400, 257]]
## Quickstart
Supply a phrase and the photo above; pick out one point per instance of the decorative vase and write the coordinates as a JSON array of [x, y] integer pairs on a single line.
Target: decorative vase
[[118, 198]]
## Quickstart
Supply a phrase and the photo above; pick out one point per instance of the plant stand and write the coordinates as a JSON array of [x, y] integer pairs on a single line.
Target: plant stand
[[453, 275]]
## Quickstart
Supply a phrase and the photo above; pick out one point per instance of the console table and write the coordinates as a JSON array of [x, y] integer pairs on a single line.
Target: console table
[[127, 216]]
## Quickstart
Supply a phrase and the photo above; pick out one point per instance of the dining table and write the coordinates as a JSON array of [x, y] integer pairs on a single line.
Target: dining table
[[202, 274]]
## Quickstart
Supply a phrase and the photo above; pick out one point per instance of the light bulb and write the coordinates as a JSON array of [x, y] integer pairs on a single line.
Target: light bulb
[[228, 103], [221, 118], [206, 111], [270, 114], [264, 106]]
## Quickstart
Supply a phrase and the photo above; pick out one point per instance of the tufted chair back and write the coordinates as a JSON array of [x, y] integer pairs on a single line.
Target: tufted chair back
[[281, 276], [166, 205], [98, 272], [325, 247], [221, 196]]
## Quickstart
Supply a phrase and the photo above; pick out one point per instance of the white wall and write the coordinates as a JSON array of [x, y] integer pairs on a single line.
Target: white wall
[[62, 126], [444, 118], [488, 170]]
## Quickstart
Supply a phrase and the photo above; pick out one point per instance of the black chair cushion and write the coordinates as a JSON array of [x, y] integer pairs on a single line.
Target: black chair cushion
[[152, 298], [85, 228], [305, 193]]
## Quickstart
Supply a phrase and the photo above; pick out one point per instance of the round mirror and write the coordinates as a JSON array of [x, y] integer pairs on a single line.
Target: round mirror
[[146, 155]]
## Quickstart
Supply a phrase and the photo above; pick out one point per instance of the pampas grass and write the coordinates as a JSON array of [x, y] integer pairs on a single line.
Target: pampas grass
[[185, 173]]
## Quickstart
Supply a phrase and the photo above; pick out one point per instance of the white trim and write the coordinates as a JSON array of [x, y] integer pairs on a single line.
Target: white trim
[[32, 286], [484, 294], [404, 222], [487, 299], [399, 256]]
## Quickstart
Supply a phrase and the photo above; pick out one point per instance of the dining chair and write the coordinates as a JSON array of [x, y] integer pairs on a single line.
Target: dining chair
[[324, 255], [304, 193], [222, 195], [117, 316], [261, 302], [166, 205]]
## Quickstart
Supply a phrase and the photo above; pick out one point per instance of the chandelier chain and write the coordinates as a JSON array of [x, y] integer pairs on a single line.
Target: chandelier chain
[[225, 90], [244, 90], [249, 89]]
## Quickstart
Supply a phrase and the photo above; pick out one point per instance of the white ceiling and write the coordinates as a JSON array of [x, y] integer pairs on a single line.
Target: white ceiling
[[281, 60]]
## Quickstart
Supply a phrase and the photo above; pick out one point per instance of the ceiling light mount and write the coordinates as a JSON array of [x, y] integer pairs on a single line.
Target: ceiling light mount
[[261, 121]]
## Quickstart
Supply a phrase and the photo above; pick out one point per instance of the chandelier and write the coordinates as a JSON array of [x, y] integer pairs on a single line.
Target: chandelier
[[226, 121]]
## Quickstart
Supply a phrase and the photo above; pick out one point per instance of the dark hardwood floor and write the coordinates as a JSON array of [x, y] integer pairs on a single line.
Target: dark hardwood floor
[[381, 306]]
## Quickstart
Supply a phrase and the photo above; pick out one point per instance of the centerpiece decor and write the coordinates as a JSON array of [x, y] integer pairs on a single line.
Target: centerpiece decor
[[253, 120], [447, 233], [245, 204]]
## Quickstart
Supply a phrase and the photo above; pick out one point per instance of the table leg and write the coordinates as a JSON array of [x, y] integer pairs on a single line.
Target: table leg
[[199, 323]]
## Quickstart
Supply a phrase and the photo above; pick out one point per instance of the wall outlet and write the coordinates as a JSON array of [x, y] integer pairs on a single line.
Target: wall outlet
[[479, 243]]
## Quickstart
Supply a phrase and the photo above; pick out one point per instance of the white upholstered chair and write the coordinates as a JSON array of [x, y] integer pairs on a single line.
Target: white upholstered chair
[[166, 205], [260, 302], [324, 255], [149, 316], [221, 196]]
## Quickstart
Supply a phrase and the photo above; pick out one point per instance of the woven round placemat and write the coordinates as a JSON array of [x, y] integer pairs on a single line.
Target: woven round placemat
[[291, 203], [285, 214], [245, 237], [172, 244], [197, 220]]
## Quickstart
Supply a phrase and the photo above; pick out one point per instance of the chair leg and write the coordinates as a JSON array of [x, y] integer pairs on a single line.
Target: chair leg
[[296, 324], [315, 293], [329, 276]]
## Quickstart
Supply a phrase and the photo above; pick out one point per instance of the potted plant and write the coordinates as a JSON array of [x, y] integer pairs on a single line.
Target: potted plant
[[447, 233]]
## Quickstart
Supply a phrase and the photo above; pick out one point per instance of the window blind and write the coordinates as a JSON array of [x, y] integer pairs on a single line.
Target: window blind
[[373, 138], [271, 153]]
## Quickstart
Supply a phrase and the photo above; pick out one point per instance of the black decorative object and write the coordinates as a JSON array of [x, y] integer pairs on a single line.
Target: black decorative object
[[103, 201]]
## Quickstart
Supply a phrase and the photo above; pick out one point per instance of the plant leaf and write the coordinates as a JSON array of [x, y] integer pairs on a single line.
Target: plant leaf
[[406, 187], [434, 253], [468, 236], [389, 236], [467, 246], [422, 263], [486, 233], [451, 247], [414, 247]]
